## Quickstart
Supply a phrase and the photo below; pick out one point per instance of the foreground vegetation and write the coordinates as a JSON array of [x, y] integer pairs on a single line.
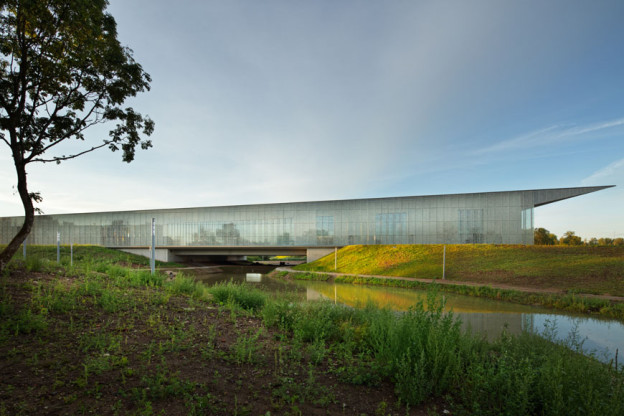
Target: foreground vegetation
[[104, 338], [572, 269]]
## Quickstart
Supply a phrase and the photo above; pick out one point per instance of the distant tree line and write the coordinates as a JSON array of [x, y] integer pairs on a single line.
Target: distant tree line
[[543, 237]]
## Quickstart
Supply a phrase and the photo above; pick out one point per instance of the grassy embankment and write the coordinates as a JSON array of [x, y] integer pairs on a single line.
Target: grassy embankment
[[86, 258], [110, 339], [572, 271]]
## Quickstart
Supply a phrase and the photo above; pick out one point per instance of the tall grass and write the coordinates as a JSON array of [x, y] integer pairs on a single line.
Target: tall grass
[[532, 374], [423, 351], [425, 354], [238, 294], [86, 258], [103, 277], [420, 350]]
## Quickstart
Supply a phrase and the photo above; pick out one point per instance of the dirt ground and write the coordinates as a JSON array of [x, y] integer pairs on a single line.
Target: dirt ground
[[167, 355]]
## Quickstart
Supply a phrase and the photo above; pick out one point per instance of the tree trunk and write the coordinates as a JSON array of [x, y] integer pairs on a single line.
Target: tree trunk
[[29, 216]]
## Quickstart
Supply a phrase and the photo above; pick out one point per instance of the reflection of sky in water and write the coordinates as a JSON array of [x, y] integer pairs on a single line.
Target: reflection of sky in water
[[601, 337]]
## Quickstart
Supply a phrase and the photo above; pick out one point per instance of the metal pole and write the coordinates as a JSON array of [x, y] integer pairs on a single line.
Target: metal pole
[[444, 264], [335, 258], [58, 246], [153, 258]]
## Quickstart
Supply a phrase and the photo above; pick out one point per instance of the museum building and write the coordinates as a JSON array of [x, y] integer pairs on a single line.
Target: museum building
[[472, 218]]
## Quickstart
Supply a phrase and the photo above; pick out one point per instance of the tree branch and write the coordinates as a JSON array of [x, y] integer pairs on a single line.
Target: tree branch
[[62, 158], [67, 135]]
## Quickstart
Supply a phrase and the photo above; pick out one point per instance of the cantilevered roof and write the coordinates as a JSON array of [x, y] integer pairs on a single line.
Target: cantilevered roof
[[540, 197], [548, 196]]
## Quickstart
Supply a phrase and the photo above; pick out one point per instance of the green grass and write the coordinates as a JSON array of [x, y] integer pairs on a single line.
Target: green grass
[[94, 258], [596, 270], [243, 296], [426, 355], [423, 353]]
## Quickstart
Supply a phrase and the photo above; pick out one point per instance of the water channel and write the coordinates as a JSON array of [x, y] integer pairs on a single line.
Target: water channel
[[602, 337]]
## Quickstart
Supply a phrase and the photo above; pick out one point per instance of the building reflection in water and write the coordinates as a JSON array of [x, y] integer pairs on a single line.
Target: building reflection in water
[[484, 316]]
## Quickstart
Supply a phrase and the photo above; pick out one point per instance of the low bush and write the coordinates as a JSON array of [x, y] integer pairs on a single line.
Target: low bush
[[422, 351], [426, 355], [239, 294]]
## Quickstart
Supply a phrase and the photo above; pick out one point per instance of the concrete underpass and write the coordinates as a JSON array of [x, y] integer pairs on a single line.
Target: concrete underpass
[[229, 253]]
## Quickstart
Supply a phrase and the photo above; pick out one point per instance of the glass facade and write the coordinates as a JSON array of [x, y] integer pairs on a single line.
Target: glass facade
[[494, 218]]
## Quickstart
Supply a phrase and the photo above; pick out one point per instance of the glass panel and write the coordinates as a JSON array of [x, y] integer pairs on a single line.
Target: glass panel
[[470, 226], [415, 220]]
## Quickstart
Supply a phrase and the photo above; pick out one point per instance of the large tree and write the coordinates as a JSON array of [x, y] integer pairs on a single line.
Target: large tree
[[543, 237], [62, 71], [571, 239]]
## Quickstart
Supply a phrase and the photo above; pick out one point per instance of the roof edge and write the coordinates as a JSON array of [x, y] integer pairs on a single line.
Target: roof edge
[[540, 197], [548, 196]]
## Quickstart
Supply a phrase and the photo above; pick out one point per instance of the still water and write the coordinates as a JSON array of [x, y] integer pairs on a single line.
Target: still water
[[602, 337]]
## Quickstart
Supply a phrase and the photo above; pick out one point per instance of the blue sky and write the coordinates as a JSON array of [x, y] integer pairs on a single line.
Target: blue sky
[[279, 101]]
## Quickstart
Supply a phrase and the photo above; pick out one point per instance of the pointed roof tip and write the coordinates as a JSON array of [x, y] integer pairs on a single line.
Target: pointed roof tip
[[548, 196]]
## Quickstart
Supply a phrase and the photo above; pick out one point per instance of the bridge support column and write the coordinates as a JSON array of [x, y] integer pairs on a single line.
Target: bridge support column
[[162, 254], [316, 253]]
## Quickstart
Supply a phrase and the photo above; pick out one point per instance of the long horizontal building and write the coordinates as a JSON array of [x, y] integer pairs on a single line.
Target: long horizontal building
[[311, 228]]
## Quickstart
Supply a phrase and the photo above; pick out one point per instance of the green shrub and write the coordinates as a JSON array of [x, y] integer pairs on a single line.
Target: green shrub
[[116, 272], [421, 349], [239, 294], [139, 278], [184, 285], [23, 321], [323, 321], [35, 264], [58, 298], [246, 347], [531, 374], [281, 313]]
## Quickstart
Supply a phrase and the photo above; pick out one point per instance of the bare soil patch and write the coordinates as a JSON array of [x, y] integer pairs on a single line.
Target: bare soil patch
[[167, 355]]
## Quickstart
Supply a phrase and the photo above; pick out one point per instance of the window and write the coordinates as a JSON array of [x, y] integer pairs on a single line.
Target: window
[[527, 219]]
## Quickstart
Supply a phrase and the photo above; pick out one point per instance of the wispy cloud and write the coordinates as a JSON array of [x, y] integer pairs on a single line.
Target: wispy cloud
[[613, 172], [547, 136], [595, 127]]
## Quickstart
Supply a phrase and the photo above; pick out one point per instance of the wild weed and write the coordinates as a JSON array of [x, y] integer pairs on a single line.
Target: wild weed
[[531, 374], [183, 285], [246, 346], [161, 385], [281, 313], [36, 264], [209, 346], [140, 278], [317, 351], [102, 342], [114, 300], [23, 322], [321, 320], [246, 297], [59, 298]]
